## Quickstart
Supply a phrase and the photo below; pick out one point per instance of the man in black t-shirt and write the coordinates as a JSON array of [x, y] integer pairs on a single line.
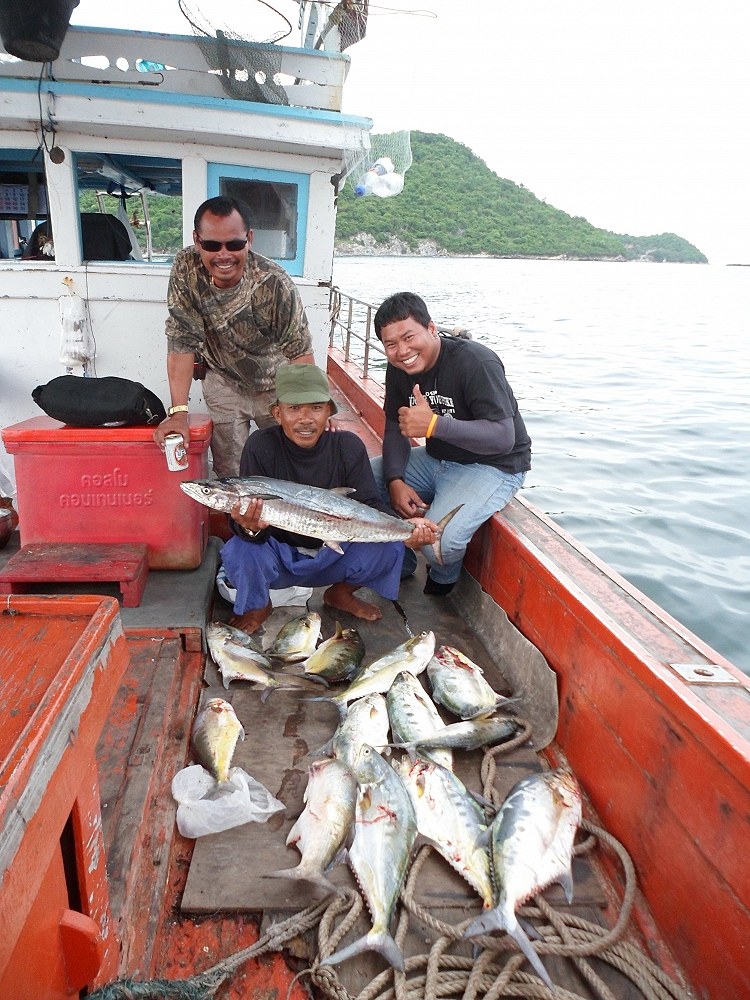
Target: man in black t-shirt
[[454, 394], [302, 450]]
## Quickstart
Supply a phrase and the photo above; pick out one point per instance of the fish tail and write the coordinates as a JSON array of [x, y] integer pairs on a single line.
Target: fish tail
[[379, 941], [325, 751], [486, 922], [300, 875], [411, 749], [333, 699], [281, 686], [496, 920], [315, 679], [566, 882], [442, 523], [520, 937]]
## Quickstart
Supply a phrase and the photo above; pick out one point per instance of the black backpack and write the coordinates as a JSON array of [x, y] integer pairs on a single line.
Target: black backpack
[[99, 402]]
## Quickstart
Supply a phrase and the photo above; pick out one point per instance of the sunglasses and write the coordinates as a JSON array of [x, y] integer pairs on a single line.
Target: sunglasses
[[213, 246]]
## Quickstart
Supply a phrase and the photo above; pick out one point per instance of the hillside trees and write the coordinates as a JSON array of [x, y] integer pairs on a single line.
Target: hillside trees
[[453, 198]]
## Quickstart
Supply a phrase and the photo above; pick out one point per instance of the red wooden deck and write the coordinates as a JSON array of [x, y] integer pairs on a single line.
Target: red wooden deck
[[144, 744]]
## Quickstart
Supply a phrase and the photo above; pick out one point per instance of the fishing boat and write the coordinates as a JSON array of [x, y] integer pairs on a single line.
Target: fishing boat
[[105, 664]]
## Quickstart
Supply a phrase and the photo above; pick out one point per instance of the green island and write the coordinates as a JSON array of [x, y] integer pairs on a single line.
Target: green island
[[454, 205]]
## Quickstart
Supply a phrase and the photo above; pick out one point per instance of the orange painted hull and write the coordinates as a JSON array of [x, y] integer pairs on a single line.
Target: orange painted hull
[[62, 663]]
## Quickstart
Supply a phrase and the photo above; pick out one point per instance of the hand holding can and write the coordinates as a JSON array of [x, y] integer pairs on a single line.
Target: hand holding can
[[176, 452]]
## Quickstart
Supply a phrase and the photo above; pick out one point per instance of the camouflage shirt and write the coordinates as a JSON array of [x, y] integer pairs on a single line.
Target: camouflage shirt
[[244, 332]]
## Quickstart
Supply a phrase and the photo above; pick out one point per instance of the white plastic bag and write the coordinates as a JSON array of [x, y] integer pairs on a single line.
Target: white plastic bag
[[76, 341], [289, 597], [203, 806]]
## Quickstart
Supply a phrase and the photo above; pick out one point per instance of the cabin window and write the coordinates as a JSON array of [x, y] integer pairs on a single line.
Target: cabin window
[[130, 206], [23, 201], [278, 202]]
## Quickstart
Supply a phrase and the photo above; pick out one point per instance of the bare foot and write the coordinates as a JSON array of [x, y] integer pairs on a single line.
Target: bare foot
[[341, 596], [251, 621]]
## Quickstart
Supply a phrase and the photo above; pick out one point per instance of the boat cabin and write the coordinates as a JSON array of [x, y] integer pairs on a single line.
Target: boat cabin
[[127, 127]]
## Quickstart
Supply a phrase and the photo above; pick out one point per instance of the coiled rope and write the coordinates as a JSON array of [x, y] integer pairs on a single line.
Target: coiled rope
[[496, 971]]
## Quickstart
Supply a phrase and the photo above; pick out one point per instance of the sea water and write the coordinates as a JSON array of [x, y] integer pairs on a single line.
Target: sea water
[[633, 380]]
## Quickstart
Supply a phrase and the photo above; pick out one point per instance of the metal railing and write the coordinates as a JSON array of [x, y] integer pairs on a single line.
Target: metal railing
[[351, 320], [352, 324]]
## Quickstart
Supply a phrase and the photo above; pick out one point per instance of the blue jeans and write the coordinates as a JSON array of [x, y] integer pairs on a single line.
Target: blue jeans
[[254, 569], [480, 491]]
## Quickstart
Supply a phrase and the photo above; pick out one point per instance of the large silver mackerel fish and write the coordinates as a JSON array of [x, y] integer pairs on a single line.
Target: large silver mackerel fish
[[531, 846], [385, 828], [330, 515]]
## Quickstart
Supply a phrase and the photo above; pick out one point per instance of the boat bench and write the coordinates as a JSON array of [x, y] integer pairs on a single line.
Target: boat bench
[[123, 564]]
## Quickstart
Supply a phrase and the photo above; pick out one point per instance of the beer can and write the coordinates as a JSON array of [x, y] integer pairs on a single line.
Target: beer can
[[176, 452]]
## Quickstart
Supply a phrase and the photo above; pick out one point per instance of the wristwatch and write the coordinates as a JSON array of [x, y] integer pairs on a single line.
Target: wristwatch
[[182, 408]]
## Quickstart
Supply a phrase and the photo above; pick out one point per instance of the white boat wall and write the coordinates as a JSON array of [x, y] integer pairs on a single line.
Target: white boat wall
[[133, 117]]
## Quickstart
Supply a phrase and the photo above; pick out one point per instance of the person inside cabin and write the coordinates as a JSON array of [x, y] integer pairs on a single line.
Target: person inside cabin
[[243, 315], [454, 394], [301, 448]]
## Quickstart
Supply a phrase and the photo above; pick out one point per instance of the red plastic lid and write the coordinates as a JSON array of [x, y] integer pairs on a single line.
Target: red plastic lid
[[39, 429]]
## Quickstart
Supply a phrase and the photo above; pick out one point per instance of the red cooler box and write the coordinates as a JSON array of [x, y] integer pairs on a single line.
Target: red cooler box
[[106, 485]]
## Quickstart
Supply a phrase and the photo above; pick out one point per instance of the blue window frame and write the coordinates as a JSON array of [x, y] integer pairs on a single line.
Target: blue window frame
[[278, 201]]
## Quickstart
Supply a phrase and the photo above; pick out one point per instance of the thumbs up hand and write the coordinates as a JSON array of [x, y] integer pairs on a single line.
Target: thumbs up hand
[[413, 421], [418, 397]]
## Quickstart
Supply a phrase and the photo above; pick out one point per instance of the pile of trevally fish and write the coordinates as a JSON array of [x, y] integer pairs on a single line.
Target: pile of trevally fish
[[371, 812]]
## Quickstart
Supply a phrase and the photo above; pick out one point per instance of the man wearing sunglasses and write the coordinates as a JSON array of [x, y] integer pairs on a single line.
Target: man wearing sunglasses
[[240, 312]]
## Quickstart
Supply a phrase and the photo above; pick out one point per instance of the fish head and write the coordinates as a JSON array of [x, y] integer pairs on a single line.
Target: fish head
[[565, 788], [216, 639], [350, 636], [368, 764], [371, 703], [217, 633], [317, 766], [219, 494], [449, 656], [421, 645], [407, 679], [219, 706]]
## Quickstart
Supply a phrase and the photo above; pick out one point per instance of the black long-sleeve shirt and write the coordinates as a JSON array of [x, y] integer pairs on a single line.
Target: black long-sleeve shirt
[[338, 459]]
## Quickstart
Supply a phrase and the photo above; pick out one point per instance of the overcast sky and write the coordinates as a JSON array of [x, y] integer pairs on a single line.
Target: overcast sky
[[634, 115]]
